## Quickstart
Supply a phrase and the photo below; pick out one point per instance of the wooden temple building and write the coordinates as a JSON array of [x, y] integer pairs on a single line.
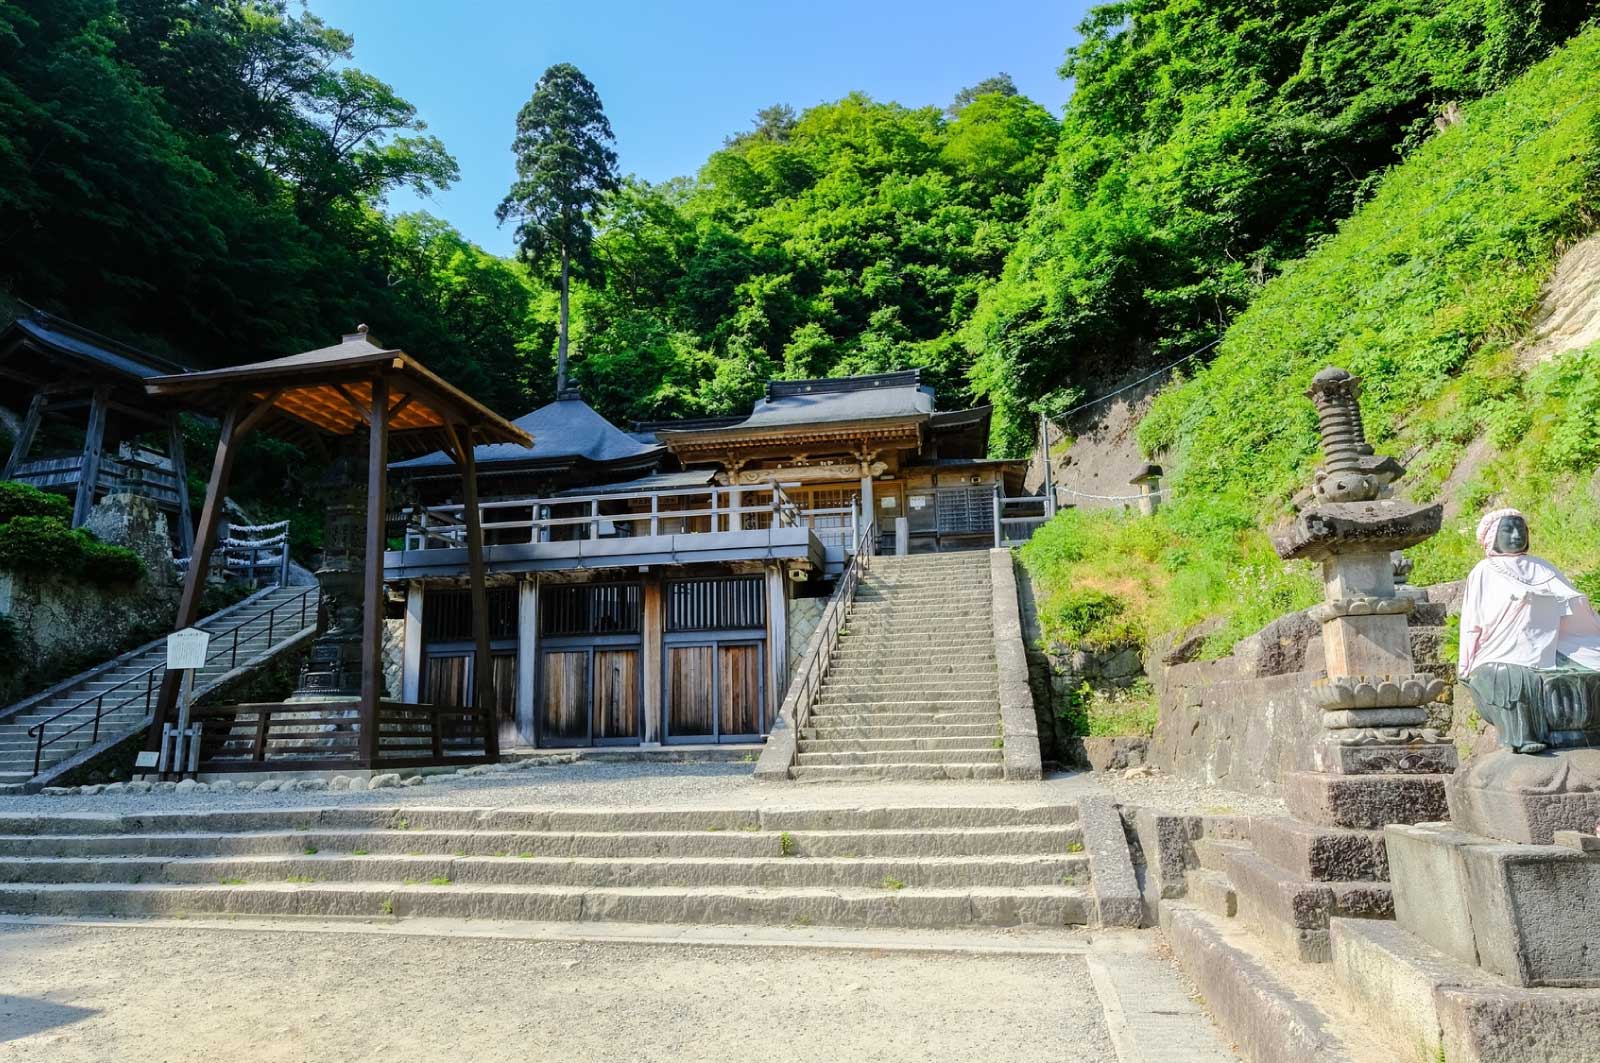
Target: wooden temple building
[[650, 587], [89, 428]]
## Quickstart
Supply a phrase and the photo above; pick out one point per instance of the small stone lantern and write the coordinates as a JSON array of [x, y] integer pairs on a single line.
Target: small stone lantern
[[1148, 481]]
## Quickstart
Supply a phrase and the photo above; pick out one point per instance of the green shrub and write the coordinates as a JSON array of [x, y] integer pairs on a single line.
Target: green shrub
[[103, 563], [25, 500], [47, 546]]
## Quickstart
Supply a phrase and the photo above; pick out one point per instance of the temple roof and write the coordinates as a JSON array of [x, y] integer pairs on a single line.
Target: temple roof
[[841, 400], [82, 348], [565, 430]]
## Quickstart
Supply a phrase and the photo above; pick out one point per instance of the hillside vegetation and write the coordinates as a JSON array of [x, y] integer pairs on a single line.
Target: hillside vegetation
[[1424, 292]]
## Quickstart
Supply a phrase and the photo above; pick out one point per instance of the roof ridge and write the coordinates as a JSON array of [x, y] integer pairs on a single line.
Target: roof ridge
[[901, 378]]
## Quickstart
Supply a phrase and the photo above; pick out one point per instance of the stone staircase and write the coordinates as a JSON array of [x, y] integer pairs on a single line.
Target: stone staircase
[[123, 690], [912, 691], [943, 866]]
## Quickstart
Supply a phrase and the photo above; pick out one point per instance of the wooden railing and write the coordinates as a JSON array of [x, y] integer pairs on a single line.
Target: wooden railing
[[309, 736], [813, 667], [686, 510]]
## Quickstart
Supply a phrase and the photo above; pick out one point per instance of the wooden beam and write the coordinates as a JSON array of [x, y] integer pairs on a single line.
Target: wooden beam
[[482, 666], [255, 416], [356, 404], [194, 581], [24, 441], [94, 439], [372, 584], [180, 469], [650, 658]]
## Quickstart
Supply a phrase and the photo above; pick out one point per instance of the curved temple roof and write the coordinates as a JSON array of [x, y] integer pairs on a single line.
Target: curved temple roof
[[565, 430]]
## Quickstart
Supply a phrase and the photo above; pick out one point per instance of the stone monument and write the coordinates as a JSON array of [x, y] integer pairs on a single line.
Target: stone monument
[[1376, 762]]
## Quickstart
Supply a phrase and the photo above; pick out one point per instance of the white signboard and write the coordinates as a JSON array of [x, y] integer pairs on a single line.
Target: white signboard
[[187, 648], [148, 758]]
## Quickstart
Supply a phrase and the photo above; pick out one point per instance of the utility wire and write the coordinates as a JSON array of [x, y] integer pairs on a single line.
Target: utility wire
[[1129, 387]]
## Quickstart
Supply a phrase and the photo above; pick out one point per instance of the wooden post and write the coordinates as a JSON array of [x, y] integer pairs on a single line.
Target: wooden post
[[372, 582], [234, 428], [527, 654], [180, 469], [482, 667], [411, 656], [998, 533], [1044, 457], [650, 658], [24, 442], [777, 641], [93, 444]]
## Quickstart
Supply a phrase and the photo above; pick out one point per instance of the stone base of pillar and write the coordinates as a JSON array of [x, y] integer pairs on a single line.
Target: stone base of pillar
[[1365, 802], [1419, 757]]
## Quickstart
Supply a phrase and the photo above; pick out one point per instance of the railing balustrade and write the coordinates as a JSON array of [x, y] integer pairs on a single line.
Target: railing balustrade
[[225, 643], [1017, 518], [672, 511], [813, 667]]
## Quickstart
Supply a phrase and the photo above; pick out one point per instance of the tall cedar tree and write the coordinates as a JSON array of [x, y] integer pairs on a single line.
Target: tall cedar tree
[[565, 170]]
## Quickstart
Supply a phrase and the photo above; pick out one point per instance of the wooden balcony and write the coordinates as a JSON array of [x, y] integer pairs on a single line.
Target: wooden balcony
[[670, 526]]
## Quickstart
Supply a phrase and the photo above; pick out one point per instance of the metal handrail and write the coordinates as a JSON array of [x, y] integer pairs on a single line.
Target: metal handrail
[[807, 683], [37, 731]]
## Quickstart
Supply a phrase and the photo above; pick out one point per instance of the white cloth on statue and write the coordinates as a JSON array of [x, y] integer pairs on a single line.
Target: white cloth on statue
[[1520, 609]]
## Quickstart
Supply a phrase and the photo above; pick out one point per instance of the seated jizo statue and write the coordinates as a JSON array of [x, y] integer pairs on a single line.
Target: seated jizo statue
[[1530, 644]]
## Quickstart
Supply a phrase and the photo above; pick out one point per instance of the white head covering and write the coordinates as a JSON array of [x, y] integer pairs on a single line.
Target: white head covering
[[1489, 527]]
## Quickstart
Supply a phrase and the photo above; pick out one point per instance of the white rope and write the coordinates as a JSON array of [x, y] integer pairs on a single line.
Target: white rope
[[254, 544], [257, 527], [1129, 387], [1162, 493]]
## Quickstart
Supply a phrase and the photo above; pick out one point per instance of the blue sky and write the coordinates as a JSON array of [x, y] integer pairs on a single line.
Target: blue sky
[[676, 78]]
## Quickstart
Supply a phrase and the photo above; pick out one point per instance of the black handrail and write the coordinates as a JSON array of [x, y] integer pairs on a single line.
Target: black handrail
[[37, 731]]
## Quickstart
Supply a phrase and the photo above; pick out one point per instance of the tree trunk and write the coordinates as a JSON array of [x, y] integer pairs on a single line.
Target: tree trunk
[[561, 343]]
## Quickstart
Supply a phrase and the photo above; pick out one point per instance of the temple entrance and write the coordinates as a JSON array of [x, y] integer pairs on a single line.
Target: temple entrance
[[590, 677], [713, 658]]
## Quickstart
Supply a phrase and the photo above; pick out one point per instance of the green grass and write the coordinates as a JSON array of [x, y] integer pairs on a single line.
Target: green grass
[[233, 881], [1425, 293], [440, 880], [891, 883], [786, 844], [300, 880]]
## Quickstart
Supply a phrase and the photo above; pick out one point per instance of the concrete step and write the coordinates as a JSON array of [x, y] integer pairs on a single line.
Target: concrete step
[[1291, 914], [979, 683], [988, 727], [990, 754], [911, 705], [894, 772], [832, 721], [882, 906], [1020, 840], [1269, 1009], [771, 872], [892, 745], [893, 695], [1212, 891]]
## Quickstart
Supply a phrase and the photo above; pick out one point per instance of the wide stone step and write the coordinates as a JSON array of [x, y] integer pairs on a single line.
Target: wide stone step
[[961, 685], [613, 820], [882, 906], [895, 772], [1022, 840], [875, 654], [772, 872], [910, 705], [832, 720], [853, 669], [891, 695], [890, 744], [971, 755], [928, 732]]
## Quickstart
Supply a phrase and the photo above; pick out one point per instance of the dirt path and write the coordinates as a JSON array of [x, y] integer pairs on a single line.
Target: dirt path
[[141, 995]]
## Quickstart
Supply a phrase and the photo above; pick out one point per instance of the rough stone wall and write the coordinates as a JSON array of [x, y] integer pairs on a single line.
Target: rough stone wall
[[394, 650], [804, 614]]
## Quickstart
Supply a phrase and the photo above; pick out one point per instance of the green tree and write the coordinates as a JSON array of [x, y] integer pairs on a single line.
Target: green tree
[[998, 85], [565, 169]]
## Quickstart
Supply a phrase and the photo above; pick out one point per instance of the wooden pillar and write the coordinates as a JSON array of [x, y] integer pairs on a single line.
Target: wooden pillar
[[650, 658], [180, 469], [93, 445], [527, 655], [869, 511], [482, 667], [24, 441], [372, 580], [234, 427], [411, 656], [777, 640]]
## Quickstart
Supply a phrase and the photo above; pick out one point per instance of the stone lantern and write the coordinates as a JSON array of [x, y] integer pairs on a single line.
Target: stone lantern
[[1148, 481]]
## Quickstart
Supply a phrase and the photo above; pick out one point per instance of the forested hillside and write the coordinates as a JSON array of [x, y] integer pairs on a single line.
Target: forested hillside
[[207, 178], [1428, 292]]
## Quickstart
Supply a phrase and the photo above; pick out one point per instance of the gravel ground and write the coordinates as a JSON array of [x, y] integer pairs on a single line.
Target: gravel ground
[[91, 995], [622, 785]]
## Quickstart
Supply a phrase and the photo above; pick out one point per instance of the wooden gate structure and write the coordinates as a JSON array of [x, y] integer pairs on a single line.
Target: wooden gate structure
[[354, 386]]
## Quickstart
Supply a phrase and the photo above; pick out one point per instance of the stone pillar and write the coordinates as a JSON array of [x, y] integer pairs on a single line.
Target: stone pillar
[[1375, 763]]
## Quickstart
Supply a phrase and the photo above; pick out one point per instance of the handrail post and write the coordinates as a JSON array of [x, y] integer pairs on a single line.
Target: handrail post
[[594, 519], [655, 514], [997, 505]]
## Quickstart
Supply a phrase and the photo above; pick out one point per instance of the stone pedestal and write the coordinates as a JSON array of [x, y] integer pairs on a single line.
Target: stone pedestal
[[1529, 914], [1518, 797]]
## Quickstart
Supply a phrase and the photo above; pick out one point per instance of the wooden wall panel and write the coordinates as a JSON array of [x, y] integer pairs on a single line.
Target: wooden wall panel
[[444, 680], [564, 701], [691, 690], [739, 693], [616, 693]]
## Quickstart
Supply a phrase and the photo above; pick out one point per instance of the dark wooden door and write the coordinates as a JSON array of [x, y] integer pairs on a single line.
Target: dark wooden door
[[691, 691], [739, 689], [564, 697], [616, 695]]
